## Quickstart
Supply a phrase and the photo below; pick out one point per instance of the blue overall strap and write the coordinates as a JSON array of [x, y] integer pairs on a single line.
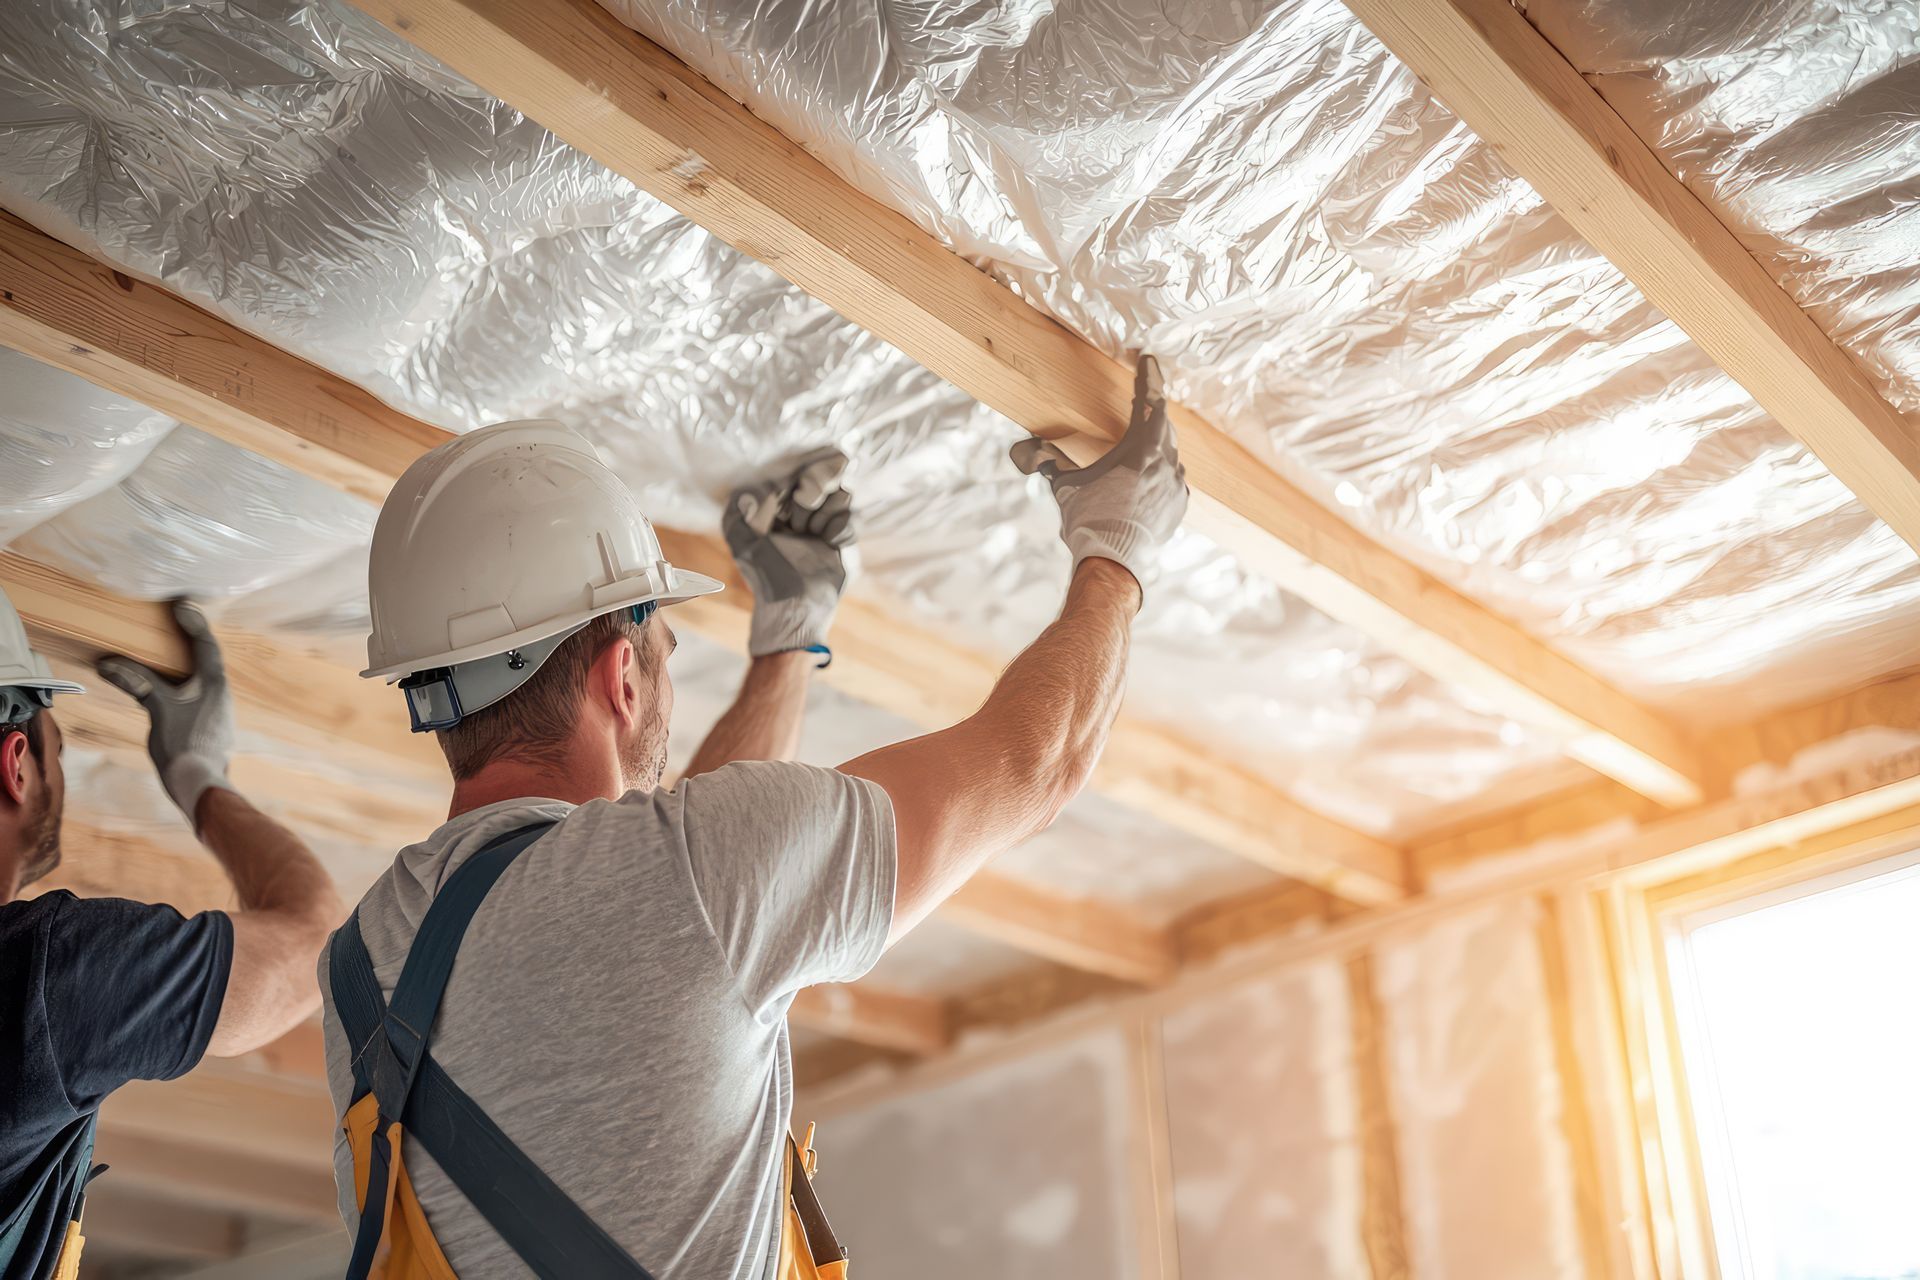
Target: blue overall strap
[[552, 1234]]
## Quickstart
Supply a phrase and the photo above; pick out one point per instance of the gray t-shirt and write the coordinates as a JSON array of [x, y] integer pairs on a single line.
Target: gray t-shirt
[[619, 1002]]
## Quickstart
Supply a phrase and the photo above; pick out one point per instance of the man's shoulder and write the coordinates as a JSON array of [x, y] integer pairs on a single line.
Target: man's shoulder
[[58, 912], [24, 917]]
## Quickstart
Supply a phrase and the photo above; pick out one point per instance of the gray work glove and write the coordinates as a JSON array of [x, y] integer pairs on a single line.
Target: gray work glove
[[192, 733], [1127, 504], [789, 536]]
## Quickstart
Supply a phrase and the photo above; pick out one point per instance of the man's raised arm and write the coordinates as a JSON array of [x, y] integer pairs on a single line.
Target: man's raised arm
[[789, 538], [288, 904], [1003, 774]]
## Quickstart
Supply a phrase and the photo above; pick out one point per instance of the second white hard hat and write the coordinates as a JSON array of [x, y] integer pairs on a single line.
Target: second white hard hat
[[505, 537], [24, 670]]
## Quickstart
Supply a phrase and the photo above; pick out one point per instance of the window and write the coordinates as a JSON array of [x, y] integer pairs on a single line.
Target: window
[[1798, 1015]]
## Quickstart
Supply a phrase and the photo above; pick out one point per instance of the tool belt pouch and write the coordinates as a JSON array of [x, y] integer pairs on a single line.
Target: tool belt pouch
[[808, 1248]]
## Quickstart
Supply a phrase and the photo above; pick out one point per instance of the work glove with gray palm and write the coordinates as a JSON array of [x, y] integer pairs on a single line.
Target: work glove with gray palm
[[790, 537], [1127, 504], [191, 737]]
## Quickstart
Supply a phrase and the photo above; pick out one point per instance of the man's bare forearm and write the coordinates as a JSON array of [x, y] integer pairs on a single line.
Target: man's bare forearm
[[1054, 705], [287, 907], [271, 868], [764, 721], [1003, 774]]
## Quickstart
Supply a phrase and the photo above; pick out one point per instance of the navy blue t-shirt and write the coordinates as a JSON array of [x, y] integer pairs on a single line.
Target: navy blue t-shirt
[[94, 992]]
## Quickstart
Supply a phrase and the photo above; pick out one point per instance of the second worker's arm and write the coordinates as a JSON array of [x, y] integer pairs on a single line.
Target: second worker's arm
[[790, 539], [288, 903], [1003, 774]]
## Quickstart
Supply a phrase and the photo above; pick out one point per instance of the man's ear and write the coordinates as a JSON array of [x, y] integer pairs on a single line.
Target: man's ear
[[614, 680], [13, 765]]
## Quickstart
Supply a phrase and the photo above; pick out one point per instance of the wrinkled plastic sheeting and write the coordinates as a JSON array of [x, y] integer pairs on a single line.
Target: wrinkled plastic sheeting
[[1799, 125], [1263, 1111], [1334, 269], [1020, 1170], [1485, 1170], [204, 518], [63, 440], [301, 171]]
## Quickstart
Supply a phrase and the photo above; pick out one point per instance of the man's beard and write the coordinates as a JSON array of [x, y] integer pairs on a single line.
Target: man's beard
[[42, 840], [643, 757]]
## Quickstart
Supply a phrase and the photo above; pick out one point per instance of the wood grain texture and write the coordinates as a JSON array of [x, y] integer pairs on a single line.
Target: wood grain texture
[[871, 1016], [1383, 1226], [1080, 933], [1863, 725], [634, 107], [1487, 63], [287, 694], [63, 307]]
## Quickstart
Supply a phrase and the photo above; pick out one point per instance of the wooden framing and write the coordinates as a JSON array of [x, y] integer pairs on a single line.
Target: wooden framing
[[867, 1015], [1638, 915], [1150, 1147], [1513, 88], [1081, 934], [73, 309], [288, 694], [1879, 793], [618, 97], [1382, 1223], [162, 1169], [121, 1222]]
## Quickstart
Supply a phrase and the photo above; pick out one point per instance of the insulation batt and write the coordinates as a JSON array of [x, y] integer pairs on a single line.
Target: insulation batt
[[1331, 267], [313, 178], [1337, 271]]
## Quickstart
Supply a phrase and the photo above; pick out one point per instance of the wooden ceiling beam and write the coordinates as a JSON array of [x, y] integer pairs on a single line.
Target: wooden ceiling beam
[[71, 308], [1486, 62], [286, 694], [160, 1169], [122, 1221], [1874, 723], [637, 109], [1870, 802], [1092, 937], [871, 1016]]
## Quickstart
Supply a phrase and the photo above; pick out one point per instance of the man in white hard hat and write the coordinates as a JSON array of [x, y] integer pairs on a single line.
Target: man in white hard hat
[[614, 1023], [95, 992]]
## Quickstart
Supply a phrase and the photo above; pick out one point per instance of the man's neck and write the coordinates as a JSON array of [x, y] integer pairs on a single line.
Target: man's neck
[[574, 780], [11, 866]]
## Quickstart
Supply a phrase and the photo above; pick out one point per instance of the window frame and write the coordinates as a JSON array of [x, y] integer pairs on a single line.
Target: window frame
[[1642, 914]]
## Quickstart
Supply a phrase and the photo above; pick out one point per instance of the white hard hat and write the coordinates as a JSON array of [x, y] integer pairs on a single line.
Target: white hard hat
[[26, 682], [499, 540]]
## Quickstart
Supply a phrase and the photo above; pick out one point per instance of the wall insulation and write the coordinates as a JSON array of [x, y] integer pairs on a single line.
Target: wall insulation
[[1263, 1112], [1019, 1172], [1265, 1108], [1486, 1175]]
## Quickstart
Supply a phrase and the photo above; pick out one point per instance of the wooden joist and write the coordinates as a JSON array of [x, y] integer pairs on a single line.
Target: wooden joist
[[904, 669], [176, 1172], [120, 1221], [1485, 61], [290, 695], [641, 112], [1871, 801], [66, 309], [1080, 934], [870, 1016], [1872, 726]]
